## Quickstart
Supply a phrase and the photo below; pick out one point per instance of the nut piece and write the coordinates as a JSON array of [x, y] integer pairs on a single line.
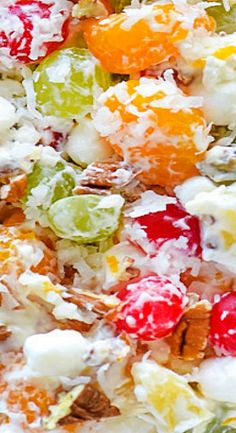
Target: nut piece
[[4, 333], [81, 190], [111, 174], [76, 325], [99, 304], [90, 404], [4, 418], [9, 170], [189, 339]]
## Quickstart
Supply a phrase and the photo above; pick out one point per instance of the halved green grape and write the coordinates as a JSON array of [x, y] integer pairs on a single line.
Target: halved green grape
[[56, 182], [86, 218], [67, 82], [225, 21]]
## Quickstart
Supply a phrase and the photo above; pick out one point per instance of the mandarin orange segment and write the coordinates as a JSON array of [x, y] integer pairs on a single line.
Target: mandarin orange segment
[[12, 240], [30, 401], [16, 217], [138, 38], [24, 398], [155, 127]]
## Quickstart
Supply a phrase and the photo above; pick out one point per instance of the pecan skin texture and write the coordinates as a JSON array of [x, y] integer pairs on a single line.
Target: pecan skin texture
[[107, 174], [189, 339], [91, 404], [4, 333]]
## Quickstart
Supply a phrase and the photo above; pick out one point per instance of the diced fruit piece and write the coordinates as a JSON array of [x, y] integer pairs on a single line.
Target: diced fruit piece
[[151, 308], [67, 82], [22, 250], [32, 29], [170, 399], [223, 324], [53, 183], [30, 401], [225, 20], [87, 218], [138, 38], [155, 127], [85, 146], [172, 224]]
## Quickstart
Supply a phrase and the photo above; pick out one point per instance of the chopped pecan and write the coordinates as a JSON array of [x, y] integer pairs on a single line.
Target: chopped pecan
[[7, 171], [4, 333], [90, 404], [69, 274], [4, 418], [80, 190], [110, 174], [133, 191], [189, 340], [99, 304], [131, 272], [15, 189], [76, 325]]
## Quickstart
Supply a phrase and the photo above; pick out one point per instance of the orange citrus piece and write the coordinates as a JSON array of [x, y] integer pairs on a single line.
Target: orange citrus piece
[[21, 399], [154, 126], [138, 38], [11, 257]]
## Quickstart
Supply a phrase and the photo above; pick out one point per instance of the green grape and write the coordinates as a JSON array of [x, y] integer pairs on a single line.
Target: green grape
[[225, 21], [67, 81], [86, 218], [59, 181]]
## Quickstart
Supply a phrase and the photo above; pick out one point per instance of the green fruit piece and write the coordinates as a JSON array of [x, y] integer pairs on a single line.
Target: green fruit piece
[[86, 218], [67, 82], [59, 181], [225, 21]]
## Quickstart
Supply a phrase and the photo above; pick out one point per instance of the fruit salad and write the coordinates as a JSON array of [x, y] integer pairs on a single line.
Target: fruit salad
[[117, 216]]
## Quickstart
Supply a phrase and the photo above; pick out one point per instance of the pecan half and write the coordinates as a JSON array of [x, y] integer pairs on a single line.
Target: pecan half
[[110, 174], [4, 333], [90, 404], [189, 340]]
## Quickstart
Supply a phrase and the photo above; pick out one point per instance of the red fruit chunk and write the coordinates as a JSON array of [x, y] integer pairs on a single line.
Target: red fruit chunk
[[223, 325], [151, 308], [172, 223], [32, 29]]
